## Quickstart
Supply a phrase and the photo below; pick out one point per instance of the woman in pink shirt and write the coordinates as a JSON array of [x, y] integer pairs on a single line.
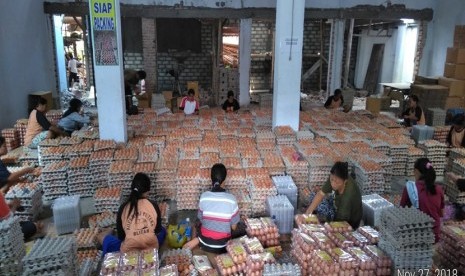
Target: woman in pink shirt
[[425, 195]]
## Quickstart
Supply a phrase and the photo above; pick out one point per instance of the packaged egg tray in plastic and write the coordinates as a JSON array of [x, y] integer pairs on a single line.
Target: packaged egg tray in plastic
[[264, 229], [88, 254], [110, 264], [340, 240], [256, 262], [281, 269], [237, 251], [381, 259], [86, 237], [226, 265], [52, 253], [371, 234], [357, 238], [322, 264], [366, 263], [182, 258], [348, 264]]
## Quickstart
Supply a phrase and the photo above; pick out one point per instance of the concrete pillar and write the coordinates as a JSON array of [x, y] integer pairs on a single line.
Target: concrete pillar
[[61, 62], [288, 62], [149, 49], [336, 51], [109, 80], [399, 54], [245, 50]]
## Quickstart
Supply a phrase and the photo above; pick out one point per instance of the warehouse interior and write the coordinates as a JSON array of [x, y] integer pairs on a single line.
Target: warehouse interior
[[281, 149]]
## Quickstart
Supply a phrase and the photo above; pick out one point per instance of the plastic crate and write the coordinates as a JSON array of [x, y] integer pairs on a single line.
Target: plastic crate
[[66, 214]]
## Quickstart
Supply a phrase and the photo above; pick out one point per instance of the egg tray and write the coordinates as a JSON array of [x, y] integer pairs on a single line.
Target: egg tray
[[11, 268], [49, 252], [103, 220], [85, 237], [411, 241]]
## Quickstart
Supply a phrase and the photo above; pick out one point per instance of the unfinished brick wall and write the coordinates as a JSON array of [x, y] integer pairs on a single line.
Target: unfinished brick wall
[[262, 42], [133, 61], [198, 67], [149, 48]]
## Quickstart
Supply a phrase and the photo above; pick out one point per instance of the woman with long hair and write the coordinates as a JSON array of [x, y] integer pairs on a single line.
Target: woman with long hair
[[73, 118], [218, 214], [424, 193], [138, 222]]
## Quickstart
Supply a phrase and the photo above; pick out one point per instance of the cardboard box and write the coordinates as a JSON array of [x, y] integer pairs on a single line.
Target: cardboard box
[[456, 87], [373, 104], [167, 95], [451, 56], [449, 70], [459, 72], [194, 85], [454, 102], [425, 80], [460, 56]]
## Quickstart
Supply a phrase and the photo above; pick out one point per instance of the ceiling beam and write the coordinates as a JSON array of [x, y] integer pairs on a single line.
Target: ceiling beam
[[150, 11]]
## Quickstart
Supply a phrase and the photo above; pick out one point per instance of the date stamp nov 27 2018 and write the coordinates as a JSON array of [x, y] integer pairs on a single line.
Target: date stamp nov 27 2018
[[428, 272]]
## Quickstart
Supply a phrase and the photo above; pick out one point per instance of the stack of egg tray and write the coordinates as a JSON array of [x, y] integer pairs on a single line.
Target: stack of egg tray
[[285, 135], [451, 248], [380, 146], [236, 180], [373, 205], [86, 238], [50, 154], [70, 141], [53, 116], [259, 190], [189, 153], [458, 166], [29, 157], [369, 177], [99, 165], [454, 153], [319, 169], [422, 133], [79, 177], [12, 247], [451, 189], [104, 145], [252, 162], [86, 134], [158, 141], [148, 154], [286, 186], [11, 138], [436, 153], [265, 136], [407, 237], [103, 220], [440, 133], [413, 154], [246, 132], [273, 163], [305, 135], [208, 159], [20, 127], [54, 180], [120, 175], [386, 163], [435, 116], [107, 199], [83, 149], [210, 145], [130, 154], [187, 189], [244, 202], [398, 154], [265, 100], [52, 256], [30, 195], [263, 121], [166, 182]]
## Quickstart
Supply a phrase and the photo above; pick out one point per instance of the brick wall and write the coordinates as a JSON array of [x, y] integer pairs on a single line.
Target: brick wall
[[198, 67], [133, 61], [149, 48], [260, 67], [312, 47]]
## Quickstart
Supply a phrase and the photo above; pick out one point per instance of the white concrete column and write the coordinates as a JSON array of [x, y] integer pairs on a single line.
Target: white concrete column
[[288, 62], [108, 69], [399, 54], [336, 51], [245, 51], [59, 51]]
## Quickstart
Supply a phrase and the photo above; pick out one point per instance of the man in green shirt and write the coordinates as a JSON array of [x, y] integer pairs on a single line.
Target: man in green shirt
[[347, 196]]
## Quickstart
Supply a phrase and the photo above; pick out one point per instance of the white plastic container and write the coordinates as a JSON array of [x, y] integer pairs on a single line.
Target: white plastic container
[[281, 210], [286, 186], [66, 214]]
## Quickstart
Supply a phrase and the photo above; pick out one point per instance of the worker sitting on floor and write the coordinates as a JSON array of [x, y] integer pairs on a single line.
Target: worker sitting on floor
[[456, 132], [189, 104], [138, 222], [414, 114], [231, 104], [38, 126], [335, 101], [8, 179]]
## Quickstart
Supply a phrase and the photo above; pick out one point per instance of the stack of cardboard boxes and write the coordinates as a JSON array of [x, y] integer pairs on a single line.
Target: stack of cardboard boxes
[[454, 71]]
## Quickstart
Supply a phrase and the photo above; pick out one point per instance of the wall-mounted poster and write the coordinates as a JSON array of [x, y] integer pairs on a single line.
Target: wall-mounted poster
[[103, 21]]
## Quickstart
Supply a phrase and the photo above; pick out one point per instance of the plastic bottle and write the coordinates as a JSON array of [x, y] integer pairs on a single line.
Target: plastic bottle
[[188, 229]]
